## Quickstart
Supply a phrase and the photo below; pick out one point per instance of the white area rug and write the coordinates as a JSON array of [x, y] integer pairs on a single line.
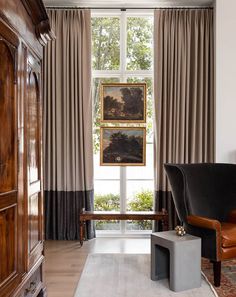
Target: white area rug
[[127, 275]]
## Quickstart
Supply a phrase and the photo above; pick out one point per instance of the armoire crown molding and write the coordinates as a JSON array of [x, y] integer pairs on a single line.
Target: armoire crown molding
[[39, 17]]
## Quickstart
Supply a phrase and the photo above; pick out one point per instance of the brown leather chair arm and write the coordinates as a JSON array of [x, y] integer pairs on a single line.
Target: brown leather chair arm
[[232, 217], [203, 222]]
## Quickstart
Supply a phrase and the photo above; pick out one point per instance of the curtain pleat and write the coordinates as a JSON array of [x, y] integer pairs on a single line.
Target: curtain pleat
[[62, 209], [68, 148], [184, 94]]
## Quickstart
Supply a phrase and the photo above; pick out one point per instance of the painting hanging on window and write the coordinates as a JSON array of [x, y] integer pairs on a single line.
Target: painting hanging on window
[[123, 102], [123, 146]]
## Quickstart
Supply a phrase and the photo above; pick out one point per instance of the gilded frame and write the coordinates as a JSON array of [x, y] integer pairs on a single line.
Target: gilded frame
[[143, 134], [143, 106]]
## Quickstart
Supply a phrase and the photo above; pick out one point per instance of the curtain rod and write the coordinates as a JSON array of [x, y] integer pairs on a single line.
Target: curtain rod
[[124, 9]]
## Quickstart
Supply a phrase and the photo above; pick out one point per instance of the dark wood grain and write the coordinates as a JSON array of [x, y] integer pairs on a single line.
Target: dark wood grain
[[8, 35], [7, 243], [7, 120], [9, 268], [107, 215]]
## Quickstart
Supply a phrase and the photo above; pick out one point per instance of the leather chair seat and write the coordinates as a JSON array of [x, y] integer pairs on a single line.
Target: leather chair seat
[[228, 235]]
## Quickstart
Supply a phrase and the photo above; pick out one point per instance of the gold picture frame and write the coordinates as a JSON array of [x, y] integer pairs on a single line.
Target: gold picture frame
[[123, 102], [113, 153]]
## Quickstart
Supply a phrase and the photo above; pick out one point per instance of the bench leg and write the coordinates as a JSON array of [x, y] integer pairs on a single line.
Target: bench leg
[[165, 225], [82, 223]]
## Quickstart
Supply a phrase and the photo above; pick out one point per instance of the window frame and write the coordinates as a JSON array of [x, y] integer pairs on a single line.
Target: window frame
[[122, 75]]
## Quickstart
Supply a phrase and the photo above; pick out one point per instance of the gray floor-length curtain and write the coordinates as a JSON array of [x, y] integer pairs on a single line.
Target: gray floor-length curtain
[[68, 153], [184, 94]]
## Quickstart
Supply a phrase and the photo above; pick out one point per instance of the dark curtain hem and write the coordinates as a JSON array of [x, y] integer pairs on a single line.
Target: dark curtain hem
[[62, 211], [163, 199]]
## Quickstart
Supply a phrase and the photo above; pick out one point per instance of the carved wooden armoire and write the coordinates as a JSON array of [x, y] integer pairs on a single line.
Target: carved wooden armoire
[[24, 30]]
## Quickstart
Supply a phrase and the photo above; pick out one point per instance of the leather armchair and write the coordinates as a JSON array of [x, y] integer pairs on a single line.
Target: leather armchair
[[205, 200]]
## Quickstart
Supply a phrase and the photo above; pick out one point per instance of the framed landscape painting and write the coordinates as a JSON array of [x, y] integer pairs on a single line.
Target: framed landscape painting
[[123, 146], [123, 102]]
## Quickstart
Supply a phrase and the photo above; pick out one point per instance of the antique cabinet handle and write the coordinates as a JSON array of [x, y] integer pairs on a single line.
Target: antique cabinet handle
[[31, 289]]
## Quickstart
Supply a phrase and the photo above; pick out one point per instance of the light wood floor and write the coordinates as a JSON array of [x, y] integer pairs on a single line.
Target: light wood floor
[[64, 260]]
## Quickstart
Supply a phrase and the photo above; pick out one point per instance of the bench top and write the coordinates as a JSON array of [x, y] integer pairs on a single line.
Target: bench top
[[138, 215]]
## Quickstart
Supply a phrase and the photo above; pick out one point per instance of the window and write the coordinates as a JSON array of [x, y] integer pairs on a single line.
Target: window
[[122, 52]]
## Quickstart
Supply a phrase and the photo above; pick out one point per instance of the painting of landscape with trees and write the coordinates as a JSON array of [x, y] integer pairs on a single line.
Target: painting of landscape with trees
[[123, 102], [123, 146]]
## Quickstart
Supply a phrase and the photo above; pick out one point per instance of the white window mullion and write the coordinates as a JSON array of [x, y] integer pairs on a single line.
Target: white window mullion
[[122, 195], [129, 73], [123, 33], [106, 73], [137, 73]]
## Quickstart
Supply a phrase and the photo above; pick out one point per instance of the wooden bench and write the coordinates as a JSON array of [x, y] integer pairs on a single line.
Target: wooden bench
[[107, 215]]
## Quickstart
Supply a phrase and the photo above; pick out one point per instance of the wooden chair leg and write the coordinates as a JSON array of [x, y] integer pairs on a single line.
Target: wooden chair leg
[[217, 273]]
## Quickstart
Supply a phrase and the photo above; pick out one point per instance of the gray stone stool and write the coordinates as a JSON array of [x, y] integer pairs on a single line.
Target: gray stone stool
[[177, 258]]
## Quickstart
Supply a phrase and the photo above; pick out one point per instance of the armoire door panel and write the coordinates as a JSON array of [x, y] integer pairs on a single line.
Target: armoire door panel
[[33, 217], [33, 135], [8, 198], [8, 243], [9, 239], [34, 188], [8, 170]]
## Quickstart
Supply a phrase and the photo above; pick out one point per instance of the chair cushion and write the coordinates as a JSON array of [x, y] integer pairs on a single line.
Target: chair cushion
[[228, 234]]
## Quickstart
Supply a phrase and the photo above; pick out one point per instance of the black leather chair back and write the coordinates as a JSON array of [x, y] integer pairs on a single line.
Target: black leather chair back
[[204, 189]]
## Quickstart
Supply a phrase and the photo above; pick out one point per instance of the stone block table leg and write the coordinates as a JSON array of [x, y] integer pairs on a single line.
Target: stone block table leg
[[159, 261], [185, 266]]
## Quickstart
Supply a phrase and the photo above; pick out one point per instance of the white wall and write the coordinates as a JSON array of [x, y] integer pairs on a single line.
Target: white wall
[[226, 81]]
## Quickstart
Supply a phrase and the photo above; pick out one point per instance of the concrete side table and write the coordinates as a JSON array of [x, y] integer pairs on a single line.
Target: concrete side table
[[177, 258]]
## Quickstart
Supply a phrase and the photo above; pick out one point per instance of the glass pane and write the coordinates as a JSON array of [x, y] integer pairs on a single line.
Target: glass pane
[[140, 195], [105, 43], [107, 195], [139, 43], [150, 100], [96, 108], [107, 198], [139, 225], [143, 172], [107, 225], [104, 172], [140, 198]]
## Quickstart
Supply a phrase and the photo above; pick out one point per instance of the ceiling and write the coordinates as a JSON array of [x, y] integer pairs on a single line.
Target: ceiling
[[128, 4]]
